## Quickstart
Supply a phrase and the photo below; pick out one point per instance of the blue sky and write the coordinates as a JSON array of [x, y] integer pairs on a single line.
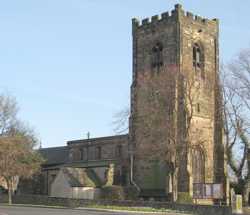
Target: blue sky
[[68, 62]]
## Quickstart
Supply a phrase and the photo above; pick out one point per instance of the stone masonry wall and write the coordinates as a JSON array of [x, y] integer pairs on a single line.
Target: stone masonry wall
[[83, 150], [196, 30], [145, 138], [207, 120], [179, 32]]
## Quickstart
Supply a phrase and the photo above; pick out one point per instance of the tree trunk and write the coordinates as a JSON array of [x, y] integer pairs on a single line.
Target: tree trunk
[[9, 192], [175, 185]]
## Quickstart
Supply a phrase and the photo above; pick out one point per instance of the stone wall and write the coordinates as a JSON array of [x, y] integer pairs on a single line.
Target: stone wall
[[207, 120], [149, 136], [174, 37], [114, 147], [73, 203]]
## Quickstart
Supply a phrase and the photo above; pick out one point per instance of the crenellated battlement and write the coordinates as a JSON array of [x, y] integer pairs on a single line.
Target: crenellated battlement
[[154, 19], [200, 19], [175, 14]]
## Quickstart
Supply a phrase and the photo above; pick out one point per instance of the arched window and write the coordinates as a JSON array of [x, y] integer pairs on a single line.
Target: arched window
[[157, 56], [198, 165], [119, 151], [198, 56], [74, 154], [71, 155], [98, 153], [83, 152]]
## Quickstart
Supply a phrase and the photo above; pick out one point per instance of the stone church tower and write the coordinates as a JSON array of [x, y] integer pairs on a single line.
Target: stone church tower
[[175, 123]]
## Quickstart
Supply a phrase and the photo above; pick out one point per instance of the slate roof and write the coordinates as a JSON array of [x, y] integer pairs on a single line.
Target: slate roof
[[55, 156], [79, 177], [92, 163]]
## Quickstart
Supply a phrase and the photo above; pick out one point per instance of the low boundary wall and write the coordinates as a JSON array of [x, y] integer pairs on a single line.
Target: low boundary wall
[[74, 203]]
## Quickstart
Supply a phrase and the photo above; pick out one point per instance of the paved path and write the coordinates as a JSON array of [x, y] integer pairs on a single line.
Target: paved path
[[14, 210], [247, 210]]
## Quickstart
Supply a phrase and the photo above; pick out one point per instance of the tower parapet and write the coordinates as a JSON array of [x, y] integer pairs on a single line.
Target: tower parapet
[[174, 15]]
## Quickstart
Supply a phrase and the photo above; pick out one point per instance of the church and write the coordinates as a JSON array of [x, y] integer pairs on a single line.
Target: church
[[175, 139]]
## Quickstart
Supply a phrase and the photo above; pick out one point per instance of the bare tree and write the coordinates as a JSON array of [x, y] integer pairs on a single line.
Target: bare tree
[[163, 101], [18, 159], [236, 92], [120, 121]]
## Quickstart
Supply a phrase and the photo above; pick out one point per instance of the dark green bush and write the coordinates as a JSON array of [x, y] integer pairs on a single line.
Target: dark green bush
[[239, 187], [113, 193]]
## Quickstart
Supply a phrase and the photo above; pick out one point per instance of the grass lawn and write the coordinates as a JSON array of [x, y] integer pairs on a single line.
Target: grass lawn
[[112, 208], [138, 209]]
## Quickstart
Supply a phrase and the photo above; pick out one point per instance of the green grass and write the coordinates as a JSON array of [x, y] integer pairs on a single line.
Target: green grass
[[138, 209], [112, 208]]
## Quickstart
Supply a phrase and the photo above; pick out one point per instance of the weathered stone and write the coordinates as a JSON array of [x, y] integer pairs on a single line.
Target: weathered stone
[[178, 37]]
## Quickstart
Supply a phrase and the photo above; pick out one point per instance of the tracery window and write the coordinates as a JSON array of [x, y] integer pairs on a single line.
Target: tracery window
[[157, 56], [198, 165]]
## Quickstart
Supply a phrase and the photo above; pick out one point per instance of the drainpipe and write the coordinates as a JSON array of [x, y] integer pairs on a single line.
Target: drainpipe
[[132, 172]]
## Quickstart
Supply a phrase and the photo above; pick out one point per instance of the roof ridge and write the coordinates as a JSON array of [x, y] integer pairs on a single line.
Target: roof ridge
[[56, 147], [97, 138]]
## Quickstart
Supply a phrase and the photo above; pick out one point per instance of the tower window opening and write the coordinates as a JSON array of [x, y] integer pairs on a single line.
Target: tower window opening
[[197, 56], [157, 56], [198, 108]]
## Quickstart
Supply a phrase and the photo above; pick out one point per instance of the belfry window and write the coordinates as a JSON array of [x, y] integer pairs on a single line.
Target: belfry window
[[157, 56], [197, 56]]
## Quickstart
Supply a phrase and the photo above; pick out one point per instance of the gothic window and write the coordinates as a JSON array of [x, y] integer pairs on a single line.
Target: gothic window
[[98, 153], [197, 56], [157, 56], [123, 176], [75, 154], [198, 166], [119, 151], [83, 154], [71, 155]]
